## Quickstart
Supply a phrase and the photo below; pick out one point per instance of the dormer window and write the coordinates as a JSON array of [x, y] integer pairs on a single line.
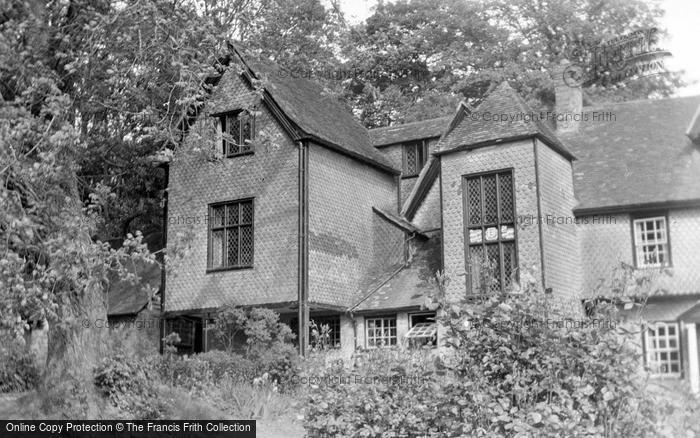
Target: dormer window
[[415, 155], [238, 129]]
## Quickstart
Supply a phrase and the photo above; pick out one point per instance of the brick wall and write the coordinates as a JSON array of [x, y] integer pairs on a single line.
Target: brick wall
[[348, 242], [270, 176], [517, 155], [606, 241], [559, 238]]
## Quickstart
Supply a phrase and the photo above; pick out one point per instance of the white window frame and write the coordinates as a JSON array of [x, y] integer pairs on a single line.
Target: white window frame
[[640, 231], [422, 330], [380, 341], [657, 366]]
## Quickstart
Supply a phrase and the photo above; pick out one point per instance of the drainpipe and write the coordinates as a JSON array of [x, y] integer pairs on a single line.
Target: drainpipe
[[303, 256], [164, 243]]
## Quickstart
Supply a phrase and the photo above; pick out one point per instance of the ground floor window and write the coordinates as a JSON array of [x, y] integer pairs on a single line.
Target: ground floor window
[[324, 338], [325, 331], [189, 330], [423, 330], [663, 355], [381, 331]]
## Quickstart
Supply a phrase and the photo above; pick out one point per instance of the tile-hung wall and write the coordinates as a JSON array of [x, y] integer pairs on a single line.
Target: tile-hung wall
[[269, 176], [518, 156], [347, 240], [607, 240]]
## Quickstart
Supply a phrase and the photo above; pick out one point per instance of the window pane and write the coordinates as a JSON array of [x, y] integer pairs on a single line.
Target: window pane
[[232, 214], [490, 200], [505, 183], [474, 200], [217, 216], [509, 267], [233, 127], [475, 236], [411, 159], [232, 247], [246, 128], [494, 259], [246, 245], [246, 213]]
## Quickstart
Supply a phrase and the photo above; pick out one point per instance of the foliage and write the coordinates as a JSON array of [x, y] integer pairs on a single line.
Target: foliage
[[415, 59], [128, 384], [320, 336], [515, 364], [18, 368], [260, 328]]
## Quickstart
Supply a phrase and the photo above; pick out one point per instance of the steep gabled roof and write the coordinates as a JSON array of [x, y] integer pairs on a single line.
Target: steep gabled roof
[[318, 116], [478, 129], [639, 157], [387, 135]]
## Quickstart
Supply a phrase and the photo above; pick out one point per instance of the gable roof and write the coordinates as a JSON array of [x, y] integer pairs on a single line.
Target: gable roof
[[318, 116], [641, 156], [410, 131], [473, 132]]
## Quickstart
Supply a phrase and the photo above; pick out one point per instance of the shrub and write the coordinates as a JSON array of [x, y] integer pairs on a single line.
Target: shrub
[[512, 366], [128, 382], [260, 327], [18, 368]]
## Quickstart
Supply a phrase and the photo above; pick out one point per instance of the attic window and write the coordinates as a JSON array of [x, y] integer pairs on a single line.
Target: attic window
[[414, 157], [238, 129]]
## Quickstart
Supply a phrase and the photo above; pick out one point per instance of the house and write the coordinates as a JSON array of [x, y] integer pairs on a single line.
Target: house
[[284, 200]]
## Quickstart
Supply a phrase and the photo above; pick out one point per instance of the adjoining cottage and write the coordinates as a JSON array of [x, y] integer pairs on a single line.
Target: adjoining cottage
[[307, 212]]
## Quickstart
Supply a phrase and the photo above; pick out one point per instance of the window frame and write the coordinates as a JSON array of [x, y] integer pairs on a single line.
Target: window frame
[[649, 351], [412, 324], [645, 217], [422, 153], [226, 145], [324, 319], [382, 318], [484, 225], [211, 228]]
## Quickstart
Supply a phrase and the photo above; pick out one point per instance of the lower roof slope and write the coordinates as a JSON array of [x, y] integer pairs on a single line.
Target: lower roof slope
[[639, 156]]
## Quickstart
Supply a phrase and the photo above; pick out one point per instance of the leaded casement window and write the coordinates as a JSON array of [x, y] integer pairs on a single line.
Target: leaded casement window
[[327, 331], [381, 331], [414, 157], [231, 235], [489, 206], [423, 331], [663, 353], [651, 242], [239, 131]]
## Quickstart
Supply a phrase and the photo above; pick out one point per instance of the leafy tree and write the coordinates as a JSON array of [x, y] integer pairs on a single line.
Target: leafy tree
[[414, 50]]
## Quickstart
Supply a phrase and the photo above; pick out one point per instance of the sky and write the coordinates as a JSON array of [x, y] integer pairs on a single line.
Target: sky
[[682, 20]]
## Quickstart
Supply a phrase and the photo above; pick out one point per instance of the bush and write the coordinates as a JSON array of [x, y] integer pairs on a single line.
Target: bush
[[510, 369], [18, 368], [129, 383], [260, 328]]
